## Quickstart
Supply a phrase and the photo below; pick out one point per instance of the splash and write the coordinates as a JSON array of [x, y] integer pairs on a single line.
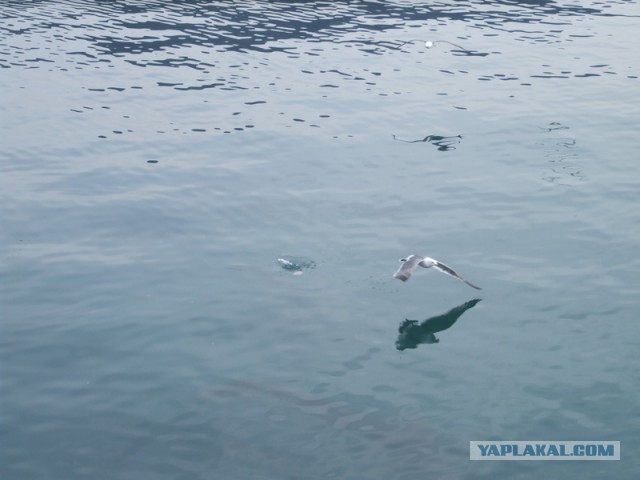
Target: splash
[[296, 265]]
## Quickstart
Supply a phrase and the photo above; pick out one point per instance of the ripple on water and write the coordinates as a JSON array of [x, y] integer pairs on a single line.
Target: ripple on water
[[197, 47]]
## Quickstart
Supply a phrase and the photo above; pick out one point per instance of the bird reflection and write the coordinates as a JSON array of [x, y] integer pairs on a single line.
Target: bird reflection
[[443, 143], [412, 333]]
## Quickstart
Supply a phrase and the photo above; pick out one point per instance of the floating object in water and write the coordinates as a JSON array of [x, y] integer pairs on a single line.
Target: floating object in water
[[286, 264], [296, 264], [410, 264]]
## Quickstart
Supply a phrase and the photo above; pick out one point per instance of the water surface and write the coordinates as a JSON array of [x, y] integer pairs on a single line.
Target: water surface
[[158, 158]]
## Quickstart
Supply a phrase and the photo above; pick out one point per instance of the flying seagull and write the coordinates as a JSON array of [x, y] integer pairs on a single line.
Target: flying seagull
[[430, 44], [410, 264]]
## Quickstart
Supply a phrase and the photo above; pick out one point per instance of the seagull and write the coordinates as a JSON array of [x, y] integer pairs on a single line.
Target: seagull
[[430, 44], [410, 264]]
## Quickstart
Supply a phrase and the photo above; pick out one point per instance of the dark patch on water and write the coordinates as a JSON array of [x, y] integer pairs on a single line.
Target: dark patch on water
[[413, 333], [443, 143]]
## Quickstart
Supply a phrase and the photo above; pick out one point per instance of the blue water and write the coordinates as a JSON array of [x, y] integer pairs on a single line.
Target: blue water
[[158, 158]]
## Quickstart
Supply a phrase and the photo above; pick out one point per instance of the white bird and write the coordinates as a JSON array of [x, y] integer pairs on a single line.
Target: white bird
[[410, 264], [430, 44]]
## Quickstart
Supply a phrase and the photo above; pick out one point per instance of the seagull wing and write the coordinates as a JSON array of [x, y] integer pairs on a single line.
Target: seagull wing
[[408, 267], [450, 271]]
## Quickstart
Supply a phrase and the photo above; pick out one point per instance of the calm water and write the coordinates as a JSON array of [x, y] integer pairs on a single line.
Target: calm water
[[157, 158]]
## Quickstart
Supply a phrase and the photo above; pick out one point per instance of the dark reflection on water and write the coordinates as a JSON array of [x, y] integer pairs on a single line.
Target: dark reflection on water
[[443, 144], [412, 333]]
